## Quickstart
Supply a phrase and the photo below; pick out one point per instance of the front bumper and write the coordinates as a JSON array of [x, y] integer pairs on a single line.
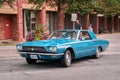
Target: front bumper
[[43, 56]]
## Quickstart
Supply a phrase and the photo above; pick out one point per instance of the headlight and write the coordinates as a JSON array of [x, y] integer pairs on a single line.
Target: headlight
[[19, 47], [53, 49]]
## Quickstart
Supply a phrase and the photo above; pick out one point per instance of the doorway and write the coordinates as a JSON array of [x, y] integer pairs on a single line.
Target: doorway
[[6, 24]]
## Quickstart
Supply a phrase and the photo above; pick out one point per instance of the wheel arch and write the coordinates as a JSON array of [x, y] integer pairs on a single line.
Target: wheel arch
[[100, 48], [72, 52]]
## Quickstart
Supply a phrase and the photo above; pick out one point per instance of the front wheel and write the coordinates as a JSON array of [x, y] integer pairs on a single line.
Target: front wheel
[[67, 58], [30, 61], [98, 53]]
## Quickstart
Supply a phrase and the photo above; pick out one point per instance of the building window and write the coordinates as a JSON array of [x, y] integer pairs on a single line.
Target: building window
[[50, 21], [47, 23], [33, 19], [29, 20]]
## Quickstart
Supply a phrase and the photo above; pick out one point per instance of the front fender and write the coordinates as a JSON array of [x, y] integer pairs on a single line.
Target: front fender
[[62, 49]]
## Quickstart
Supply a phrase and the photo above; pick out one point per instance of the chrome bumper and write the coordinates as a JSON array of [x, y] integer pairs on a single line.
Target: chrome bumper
[[50, 54]]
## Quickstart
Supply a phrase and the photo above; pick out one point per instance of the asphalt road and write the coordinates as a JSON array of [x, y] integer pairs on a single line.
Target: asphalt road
[[13, 67]]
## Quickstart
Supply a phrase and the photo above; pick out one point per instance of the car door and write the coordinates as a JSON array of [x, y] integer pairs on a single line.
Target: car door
[[86, 46]]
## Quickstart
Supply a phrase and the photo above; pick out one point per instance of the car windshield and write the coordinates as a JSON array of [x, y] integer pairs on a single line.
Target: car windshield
[[64, 35]]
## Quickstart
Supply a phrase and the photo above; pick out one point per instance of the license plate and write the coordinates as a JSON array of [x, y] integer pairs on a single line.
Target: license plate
[[33, 56]]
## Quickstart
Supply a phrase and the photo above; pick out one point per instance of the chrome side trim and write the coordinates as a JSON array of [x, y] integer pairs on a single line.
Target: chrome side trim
[[51, 54]]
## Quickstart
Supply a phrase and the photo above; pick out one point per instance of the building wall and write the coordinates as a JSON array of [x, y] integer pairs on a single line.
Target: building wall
[[1, 28], [20, 19], [16, 20], [41, 16], [16, 17]]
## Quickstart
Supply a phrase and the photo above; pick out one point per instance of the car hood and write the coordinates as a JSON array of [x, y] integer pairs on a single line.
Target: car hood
[[52, 42]]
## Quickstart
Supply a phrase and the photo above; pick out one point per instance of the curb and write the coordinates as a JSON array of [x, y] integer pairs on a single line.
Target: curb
[[9, 58], [7, 47]]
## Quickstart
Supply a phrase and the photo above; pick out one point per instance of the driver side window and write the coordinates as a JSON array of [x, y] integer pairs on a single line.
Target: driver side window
[[83, 35]]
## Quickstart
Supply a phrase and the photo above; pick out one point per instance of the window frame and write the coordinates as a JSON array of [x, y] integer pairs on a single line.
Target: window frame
[[84, 35]]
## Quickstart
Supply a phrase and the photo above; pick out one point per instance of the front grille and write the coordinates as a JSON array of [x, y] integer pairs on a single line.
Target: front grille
[[33, 49]]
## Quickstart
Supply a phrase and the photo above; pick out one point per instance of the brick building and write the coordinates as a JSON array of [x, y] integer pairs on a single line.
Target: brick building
[[16, 23]]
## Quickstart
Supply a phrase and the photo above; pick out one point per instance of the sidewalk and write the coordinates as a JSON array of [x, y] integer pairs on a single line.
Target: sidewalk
[[8, 52], [7, 47]]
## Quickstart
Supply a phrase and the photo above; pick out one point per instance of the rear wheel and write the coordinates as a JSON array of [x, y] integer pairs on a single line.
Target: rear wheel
[[98, 53], [30, 61], [67, 58]]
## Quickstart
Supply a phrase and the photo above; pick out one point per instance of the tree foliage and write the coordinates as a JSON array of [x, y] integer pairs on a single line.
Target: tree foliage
[[112, 7], [82, 7], [62, 4], [106, 7]]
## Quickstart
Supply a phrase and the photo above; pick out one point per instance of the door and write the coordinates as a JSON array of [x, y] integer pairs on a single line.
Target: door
[[6, 24], [86, 45]]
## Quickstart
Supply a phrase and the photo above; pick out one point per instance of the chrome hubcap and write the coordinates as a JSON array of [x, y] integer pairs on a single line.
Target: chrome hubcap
[[98, 53], [68, 58]]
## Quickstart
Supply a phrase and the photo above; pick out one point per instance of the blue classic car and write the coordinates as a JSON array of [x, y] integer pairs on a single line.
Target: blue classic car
[[63, 45]]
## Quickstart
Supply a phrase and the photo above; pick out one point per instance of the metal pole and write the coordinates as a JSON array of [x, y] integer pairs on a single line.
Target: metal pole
[[73, 24]]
